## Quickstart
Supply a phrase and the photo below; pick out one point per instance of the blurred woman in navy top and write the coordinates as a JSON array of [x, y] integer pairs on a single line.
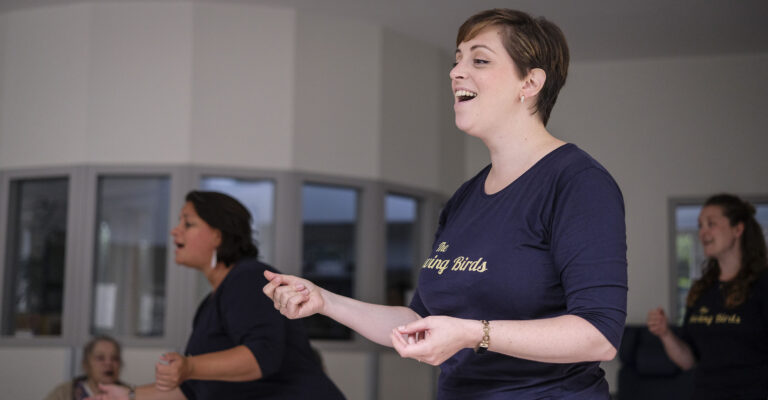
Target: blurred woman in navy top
[[524, 292], [240, 346], [725, 328]]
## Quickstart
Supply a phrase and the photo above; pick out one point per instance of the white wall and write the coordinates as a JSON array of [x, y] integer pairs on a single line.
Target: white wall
[[405, 379], [28, 372], [411, 110], [338, 96], [226, 84], [44, 85], [244, 63], [139, 87]]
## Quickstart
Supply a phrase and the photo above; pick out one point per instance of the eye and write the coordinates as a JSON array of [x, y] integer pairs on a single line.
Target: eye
[[480, 61], [187, 225]]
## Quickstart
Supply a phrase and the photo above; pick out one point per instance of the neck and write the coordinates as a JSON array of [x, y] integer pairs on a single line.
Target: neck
[[730, 264], [516, 150], [216, 275], [92, 385]]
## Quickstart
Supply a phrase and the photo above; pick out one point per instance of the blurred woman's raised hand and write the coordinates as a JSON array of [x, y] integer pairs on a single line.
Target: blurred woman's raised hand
[[657, 322], [294, 297]]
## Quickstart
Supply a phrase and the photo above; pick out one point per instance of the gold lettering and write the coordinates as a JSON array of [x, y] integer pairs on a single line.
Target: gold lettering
[[433, 262], [701, 319], [457, 262], [442, 247], [721, 318], [428, 263], [482, 267], [441, 266]]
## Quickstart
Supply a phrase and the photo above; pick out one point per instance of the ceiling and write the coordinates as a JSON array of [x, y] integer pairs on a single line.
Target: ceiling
[[595, 29]]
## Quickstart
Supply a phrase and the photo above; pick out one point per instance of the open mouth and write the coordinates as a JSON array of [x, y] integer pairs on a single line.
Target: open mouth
[[464, 95], [179, 246]]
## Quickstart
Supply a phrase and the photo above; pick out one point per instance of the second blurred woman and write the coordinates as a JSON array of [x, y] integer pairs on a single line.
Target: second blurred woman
[[725, 329], [240, 346]]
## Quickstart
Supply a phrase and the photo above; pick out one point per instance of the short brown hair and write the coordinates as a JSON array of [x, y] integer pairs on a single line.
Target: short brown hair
[[532, 43]]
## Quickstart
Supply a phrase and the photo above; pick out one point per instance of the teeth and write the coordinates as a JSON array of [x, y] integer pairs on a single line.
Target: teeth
[[464, 93]]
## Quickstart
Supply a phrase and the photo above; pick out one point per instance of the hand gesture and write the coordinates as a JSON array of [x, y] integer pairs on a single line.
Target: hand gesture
[[434, 339], [110, 392], [657, 322], [171, 371], [294, 297]]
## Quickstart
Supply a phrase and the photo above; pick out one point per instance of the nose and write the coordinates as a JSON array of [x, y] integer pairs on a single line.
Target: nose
[[457, 72], [175, 230]]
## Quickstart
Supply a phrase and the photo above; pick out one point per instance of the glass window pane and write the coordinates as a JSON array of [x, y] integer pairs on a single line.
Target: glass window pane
[[258, 196], [35, 242], [130, 260], [329, 227], [689, 255], [402, 234]]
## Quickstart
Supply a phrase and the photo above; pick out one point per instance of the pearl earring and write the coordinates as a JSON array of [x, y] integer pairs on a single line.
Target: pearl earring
[[522, 98], [214, 260]]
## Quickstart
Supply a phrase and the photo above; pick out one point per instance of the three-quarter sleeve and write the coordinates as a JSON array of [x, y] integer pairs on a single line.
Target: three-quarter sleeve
[[589, 249], [252, 321]]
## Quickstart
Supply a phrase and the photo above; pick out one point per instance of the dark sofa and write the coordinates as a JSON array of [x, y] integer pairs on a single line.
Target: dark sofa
[[646, 372]]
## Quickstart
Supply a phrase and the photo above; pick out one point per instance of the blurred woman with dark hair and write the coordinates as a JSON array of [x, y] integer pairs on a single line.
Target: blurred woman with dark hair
[[725, 329], [240, 346], [102, 361]]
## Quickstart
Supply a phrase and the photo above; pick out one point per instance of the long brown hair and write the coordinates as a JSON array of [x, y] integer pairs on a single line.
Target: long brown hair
[[753, 254]]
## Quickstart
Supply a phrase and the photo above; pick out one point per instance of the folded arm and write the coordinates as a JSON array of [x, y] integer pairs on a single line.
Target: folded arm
[[563, 339], [233, 365]]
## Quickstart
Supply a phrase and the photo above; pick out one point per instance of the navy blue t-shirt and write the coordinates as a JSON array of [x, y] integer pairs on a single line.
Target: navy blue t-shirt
[[238, 313], [551, 243], [730, 344]]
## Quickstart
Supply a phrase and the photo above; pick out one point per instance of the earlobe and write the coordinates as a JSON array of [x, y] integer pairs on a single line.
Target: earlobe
[[739, 229], [218, 238], [534, 82]]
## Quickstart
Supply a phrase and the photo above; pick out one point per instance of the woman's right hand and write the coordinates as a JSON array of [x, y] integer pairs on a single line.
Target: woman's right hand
[[657, 322], [294, 297]]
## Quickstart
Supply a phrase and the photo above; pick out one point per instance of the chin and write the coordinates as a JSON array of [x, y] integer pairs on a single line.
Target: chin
[[465, 127]]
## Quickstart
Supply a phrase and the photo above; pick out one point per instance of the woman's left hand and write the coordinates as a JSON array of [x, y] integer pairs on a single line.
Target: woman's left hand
[[171, 371], [434, 339]]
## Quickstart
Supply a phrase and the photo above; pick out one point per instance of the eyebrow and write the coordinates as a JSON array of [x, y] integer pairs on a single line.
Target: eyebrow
[[476, 47]]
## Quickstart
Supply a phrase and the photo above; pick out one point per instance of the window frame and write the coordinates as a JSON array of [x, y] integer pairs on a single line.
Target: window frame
[[370, 253], [74, 175], [176, 280]]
